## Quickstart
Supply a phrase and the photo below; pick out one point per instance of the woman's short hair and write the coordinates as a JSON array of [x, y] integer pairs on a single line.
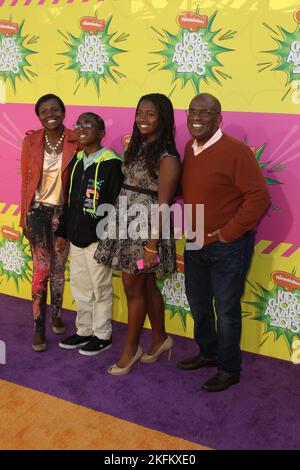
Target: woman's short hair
[[48, 97]]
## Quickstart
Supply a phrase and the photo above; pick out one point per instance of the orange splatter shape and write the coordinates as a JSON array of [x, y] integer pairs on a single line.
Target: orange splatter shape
[[286, 280], [297, 15], [180, 263], [193, 21], [88, 23], [10, 232], [8, 28]]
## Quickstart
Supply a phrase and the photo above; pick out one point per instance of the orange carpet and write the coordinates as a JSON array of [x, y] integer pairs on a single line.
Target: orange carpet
[[34, 420]]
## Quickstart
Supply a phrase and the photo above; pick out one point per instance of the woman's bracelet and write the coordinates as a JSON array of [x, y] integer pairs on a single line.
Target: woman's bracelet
[[150, 251]]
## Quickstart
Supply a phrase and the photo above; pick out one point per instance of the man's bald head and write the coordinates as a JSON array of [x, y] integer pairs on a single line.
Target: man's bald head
[[204, 117], [215, 104]]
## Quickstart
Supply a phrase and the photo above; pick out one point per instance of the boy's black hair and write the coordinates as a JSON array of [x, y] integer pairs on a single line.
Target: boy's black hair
[[96, 117]]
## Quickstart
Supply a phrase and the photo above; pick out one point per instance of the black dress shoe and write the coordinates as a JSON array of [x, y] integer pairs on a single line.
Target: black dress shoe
[[196, 362], [221, 381]]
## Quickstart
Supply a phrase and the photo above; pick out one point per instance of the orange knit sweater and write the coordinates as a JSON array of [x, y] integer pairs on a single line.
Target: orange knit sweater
[[226, 178]]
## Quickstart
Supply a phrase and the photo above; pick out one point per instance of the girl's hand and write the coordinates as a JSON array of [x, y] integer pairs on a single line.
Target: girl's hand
[[150, 259]]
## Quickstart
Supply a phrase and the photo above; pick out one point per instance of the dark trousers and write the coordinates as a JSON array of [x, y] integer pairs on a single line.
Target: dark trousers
[[41, 222], [215, 280]]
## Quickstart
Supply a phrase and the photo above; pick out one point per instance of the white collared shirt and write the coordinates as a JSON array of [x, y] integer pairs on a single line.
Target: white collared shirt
[[197, 149]]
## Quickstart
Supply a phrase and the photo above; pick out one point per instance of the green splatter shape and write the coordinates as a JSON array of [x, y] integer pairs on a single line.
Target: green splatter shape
[[265, 165], [214, 49], [24, 52], [263, 296], [282, 53], [73, 44], [11, 248], [173, 309]]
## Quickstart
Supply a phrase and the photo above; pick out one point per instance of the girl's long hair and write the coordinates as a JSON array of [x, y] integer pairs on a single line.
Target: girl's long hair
[[165, 134]]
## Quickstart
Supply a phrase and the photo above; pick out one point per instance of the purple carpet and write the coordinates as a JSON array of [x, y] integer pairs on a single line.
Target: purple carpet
[[262, 412]]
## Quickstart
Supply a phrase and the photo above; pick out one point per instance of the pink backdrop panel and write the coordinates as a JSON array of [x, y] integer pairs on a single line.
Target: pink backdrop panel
[[280, 134]]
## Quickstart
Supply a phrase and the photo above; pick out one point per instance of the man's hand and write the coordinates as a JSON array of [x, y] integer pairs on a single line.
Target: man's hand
[[217, 233]]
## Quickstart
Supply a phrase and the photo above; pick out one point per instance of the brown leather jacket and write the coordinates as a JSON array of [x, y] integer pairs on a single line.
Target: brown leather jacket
[[32, 160]]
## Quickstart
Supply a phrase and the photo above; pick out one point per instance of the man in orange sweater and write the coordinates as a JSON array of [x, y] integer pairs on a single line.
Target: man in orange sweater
[[221, 173]]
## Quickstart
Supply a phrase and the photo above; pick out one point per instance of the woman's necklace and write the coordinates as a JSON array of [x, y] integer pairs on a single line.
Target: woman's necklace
[[54, 147]]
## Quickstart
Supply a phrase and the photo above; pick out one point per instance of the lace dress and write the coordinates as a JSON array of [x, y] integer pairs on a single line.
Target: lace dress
[[123, 252]]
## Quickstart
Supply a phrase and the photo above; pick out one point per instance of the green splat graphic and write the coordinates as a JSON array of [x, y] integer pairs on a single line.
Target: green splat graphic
[[14, 260], [267, 166], [173, 292], [287, 55], [289, 60], [13, 56], [91, 56], [278, 313], [192, 57]]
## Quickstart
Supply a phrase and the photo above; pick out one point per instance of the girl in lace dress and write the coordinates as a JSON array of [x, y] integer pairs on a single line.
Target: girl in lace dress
[[152, 170]]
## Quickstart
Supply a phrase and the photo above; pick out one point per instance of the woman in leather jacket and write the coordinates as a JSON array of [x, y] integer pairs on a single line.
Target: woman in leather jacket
[[46, 154]]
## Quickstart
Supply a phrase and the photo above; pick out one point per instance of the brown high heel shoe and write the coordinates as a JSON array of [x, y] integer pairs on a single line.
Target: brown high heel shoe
[[167, 345]]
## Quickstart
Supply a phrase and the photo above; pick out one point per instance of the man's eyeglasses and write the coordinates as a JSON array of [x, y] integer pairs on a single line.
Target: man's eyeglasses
[[192, 112], [85, 125]]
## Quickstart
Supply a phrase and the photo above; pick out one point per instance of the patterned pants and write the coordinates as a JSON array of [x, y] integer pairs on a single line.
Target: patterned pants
[[41, 223]]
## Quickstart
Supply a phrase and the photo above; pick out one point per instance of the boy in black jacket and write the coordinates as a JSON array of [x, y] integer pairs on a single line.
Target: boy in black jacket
[[96, 178]]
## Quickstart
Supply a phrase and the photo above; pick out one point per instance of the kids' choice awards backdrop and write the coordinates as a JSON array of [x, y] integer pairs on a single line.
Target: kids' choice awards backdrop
[[102, 56]]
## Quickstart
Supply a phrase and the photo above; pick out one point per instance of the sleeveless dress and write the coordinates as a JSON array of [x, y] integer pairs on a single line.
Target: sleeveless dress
[[122, 253]]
